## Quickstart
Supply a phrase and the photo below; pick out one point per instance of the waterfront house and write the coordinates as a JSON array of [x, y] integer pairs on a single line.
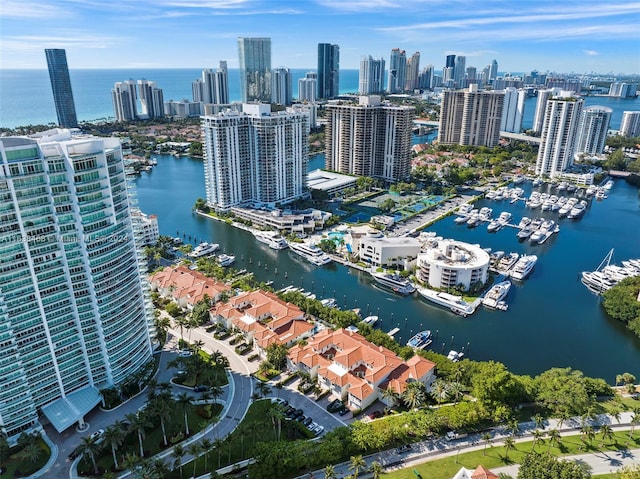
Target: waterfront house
[[186, 287], [355, 369]]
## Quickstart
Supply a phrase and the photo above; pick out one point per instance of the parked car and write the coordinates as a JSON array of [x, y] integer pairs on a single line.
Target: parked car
[[343, 410], [302, 418], [402, 449], [335, 405], [75, 453], [97, 435], [452, 435], [297, 413], [185, 353], [307, 421], [289, 411], [374, 415], [318, 430]]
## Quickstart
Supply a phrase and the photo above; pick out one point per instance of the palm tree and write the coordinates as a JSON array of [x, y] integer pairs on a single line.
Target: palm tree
[[152, 387], [539, 420], [276, 415], [606, 433], [139, 423], [414, 395], [217, 444], [184, 402], [206, 446], [198, 345], [554, 439], [588, 434], [162, 408], [486, 437], [635, 420], [329, 472], [177, 453], [514, 427], [182, 322], [194, 449], [509, 443], [457, 389], [113, 437], [89, 447], [31, 452], [537, 437], [356, 464], [263, 389], [390, 396], [376, 470], [440, 391], [132, 462]]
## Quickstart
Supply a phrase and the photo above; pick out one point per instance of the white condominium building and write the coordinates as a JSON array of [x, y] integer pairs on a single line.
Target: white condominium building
[[371, 79], [470, 117], [558, 136], [369, 139], [630, 125], [593, 129], [255, 157], [73, 315], [513, 110], [453, 263]]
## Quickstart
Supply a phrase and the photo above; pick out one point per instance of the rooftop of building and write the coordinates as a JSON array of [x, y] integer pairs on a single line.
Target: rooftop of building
[[328, 180]]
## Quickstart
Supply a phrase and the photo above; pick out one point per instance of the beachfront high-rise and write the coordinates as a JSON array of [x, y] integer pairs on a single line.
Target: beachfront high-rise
[[61, 87], [328, 71], [593, 129], [213, 87], [413, 72], [397, 71], [370, 138], [513, 110], [470, 117], [124, 97], [630, 125], [308, 87], [254, 56], [281, 92], [151, 99], [73, 314], [558, 136], [255, 157], [371, 79]]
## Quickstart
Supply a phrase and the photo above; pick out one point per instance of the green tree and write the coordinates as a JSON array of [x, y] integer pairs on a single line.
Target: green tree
[[376, 470], [544, 466], [184, 403], [414, 395], [139, 424], [178, 453], [113, 437], [629, 472], [31, 452], [606, 434], [194, 449], [329, 472], [563, 391], [277, 355], [356, 464], [89, 447], [486, 437]]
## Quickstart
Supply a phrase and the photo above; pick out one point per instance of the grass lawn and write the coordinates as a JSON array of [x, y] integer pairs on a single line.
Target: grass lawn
[[494, 456], [14, 466], [255, 427], [152, 441]]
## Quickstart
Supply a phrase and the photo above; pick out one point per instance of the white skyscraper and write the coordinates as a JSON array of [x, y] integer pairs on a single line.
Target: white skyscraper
[[630, 125], [470, 117], [369, 139], [125, 97], [255, 157], [371, 75], [460, 69], [513, 110], [541, 105], [397, 70], [151, 99], [558, 137], [308, 87], [593, 129], [425, 78], [281, 93], [73, 317], [493, 70]]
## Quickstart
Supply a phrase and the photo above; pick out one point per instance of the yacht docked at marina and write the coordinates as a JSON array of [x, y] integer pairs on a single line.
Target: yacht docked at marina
[[204, 249], [452, 302], [311, 253], [495, 296], [420, 340], [271, 239], [395, 282], [523, 267]]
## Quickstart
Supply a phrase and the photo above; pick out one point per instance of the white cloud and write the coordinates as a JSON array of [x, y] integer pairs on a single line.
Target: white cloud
[[68, 40], [358, 5], [26, 9], [591, 53]]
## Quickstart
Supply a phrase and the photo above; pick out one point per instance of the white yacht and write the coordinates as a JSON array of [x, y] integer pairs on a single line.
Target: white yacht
[[461, 219], [370, 320], [525, 233], [536, 236], [507, 262], [226, 259], [504, 217], [455, 356], [452, 302], [525, 221], [597, 281], [537, 182], [271, 238], [311, 253], [394, 281], [578, 210], [204, 249], [496, 294], [329, 303], [494, 225], [523, 267]]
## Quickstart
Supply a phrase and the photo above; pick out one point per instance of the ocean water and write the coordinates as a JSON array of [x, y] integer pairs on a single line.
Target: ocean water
[[26, 98]]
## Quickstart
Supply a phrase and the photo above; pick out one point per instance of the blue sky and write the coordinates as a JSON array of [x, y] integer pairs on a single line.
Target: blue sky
[[522, 35]]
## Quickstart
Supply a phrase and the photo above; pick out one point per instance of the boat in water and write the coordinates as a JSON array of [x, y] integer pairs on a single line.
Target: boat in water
[[421, 340], [452, 302], [329, 303], [395, 282], [311, 253], [455, 356], [370, 320], [271, 239], [226, 259], [578, 210], [523, 267], [496, 294], [204, 249]]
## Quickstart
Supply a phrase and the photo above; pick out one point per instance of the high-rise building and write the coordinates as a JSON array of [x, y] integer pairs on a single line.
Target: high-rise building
[[513, 110], [73, 310], [593, 129], [450, 61], [397, 71], [371, 78], [493, 70], [425, 79], [151, 99], [369, 139], [460, 69], [328, 71], [558, 136], [254, 55], [630, 124], [470, 117], [61, 87], [308, 87], [281, 92], [213, 87], [413, 71], [623, 90], [255, 157], [125, 98]]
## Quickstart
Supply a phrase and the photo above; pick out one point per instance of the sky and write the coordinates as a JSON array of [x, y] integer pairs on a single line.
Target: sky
[[569, 36]]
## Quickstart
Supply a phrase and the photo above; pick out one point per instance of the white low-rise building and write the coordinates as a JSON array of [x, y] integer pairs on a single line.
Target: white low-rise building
[[388, 252], [145, 227], [453, 263]]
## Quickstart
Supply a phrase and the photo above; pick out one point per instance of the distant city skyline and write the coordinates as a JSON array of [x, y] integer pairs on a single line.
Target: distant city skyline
[[572, 36]]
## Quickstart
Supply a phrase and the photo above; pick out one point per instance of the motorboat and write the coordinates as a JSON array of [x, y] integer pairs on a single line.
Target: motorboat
[[507, 262], [536, 236], [504, 217], [525, 221], [461, 219], [271, 239], [496, 294], [420, 340], [204, 249], [395, 282], [494, 225], [596, 281], [578, 210], [311, 253], [455, 356], [523, 267], [370, 320], [226, 259], [525, 232], [452, 302], [329, 303]]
